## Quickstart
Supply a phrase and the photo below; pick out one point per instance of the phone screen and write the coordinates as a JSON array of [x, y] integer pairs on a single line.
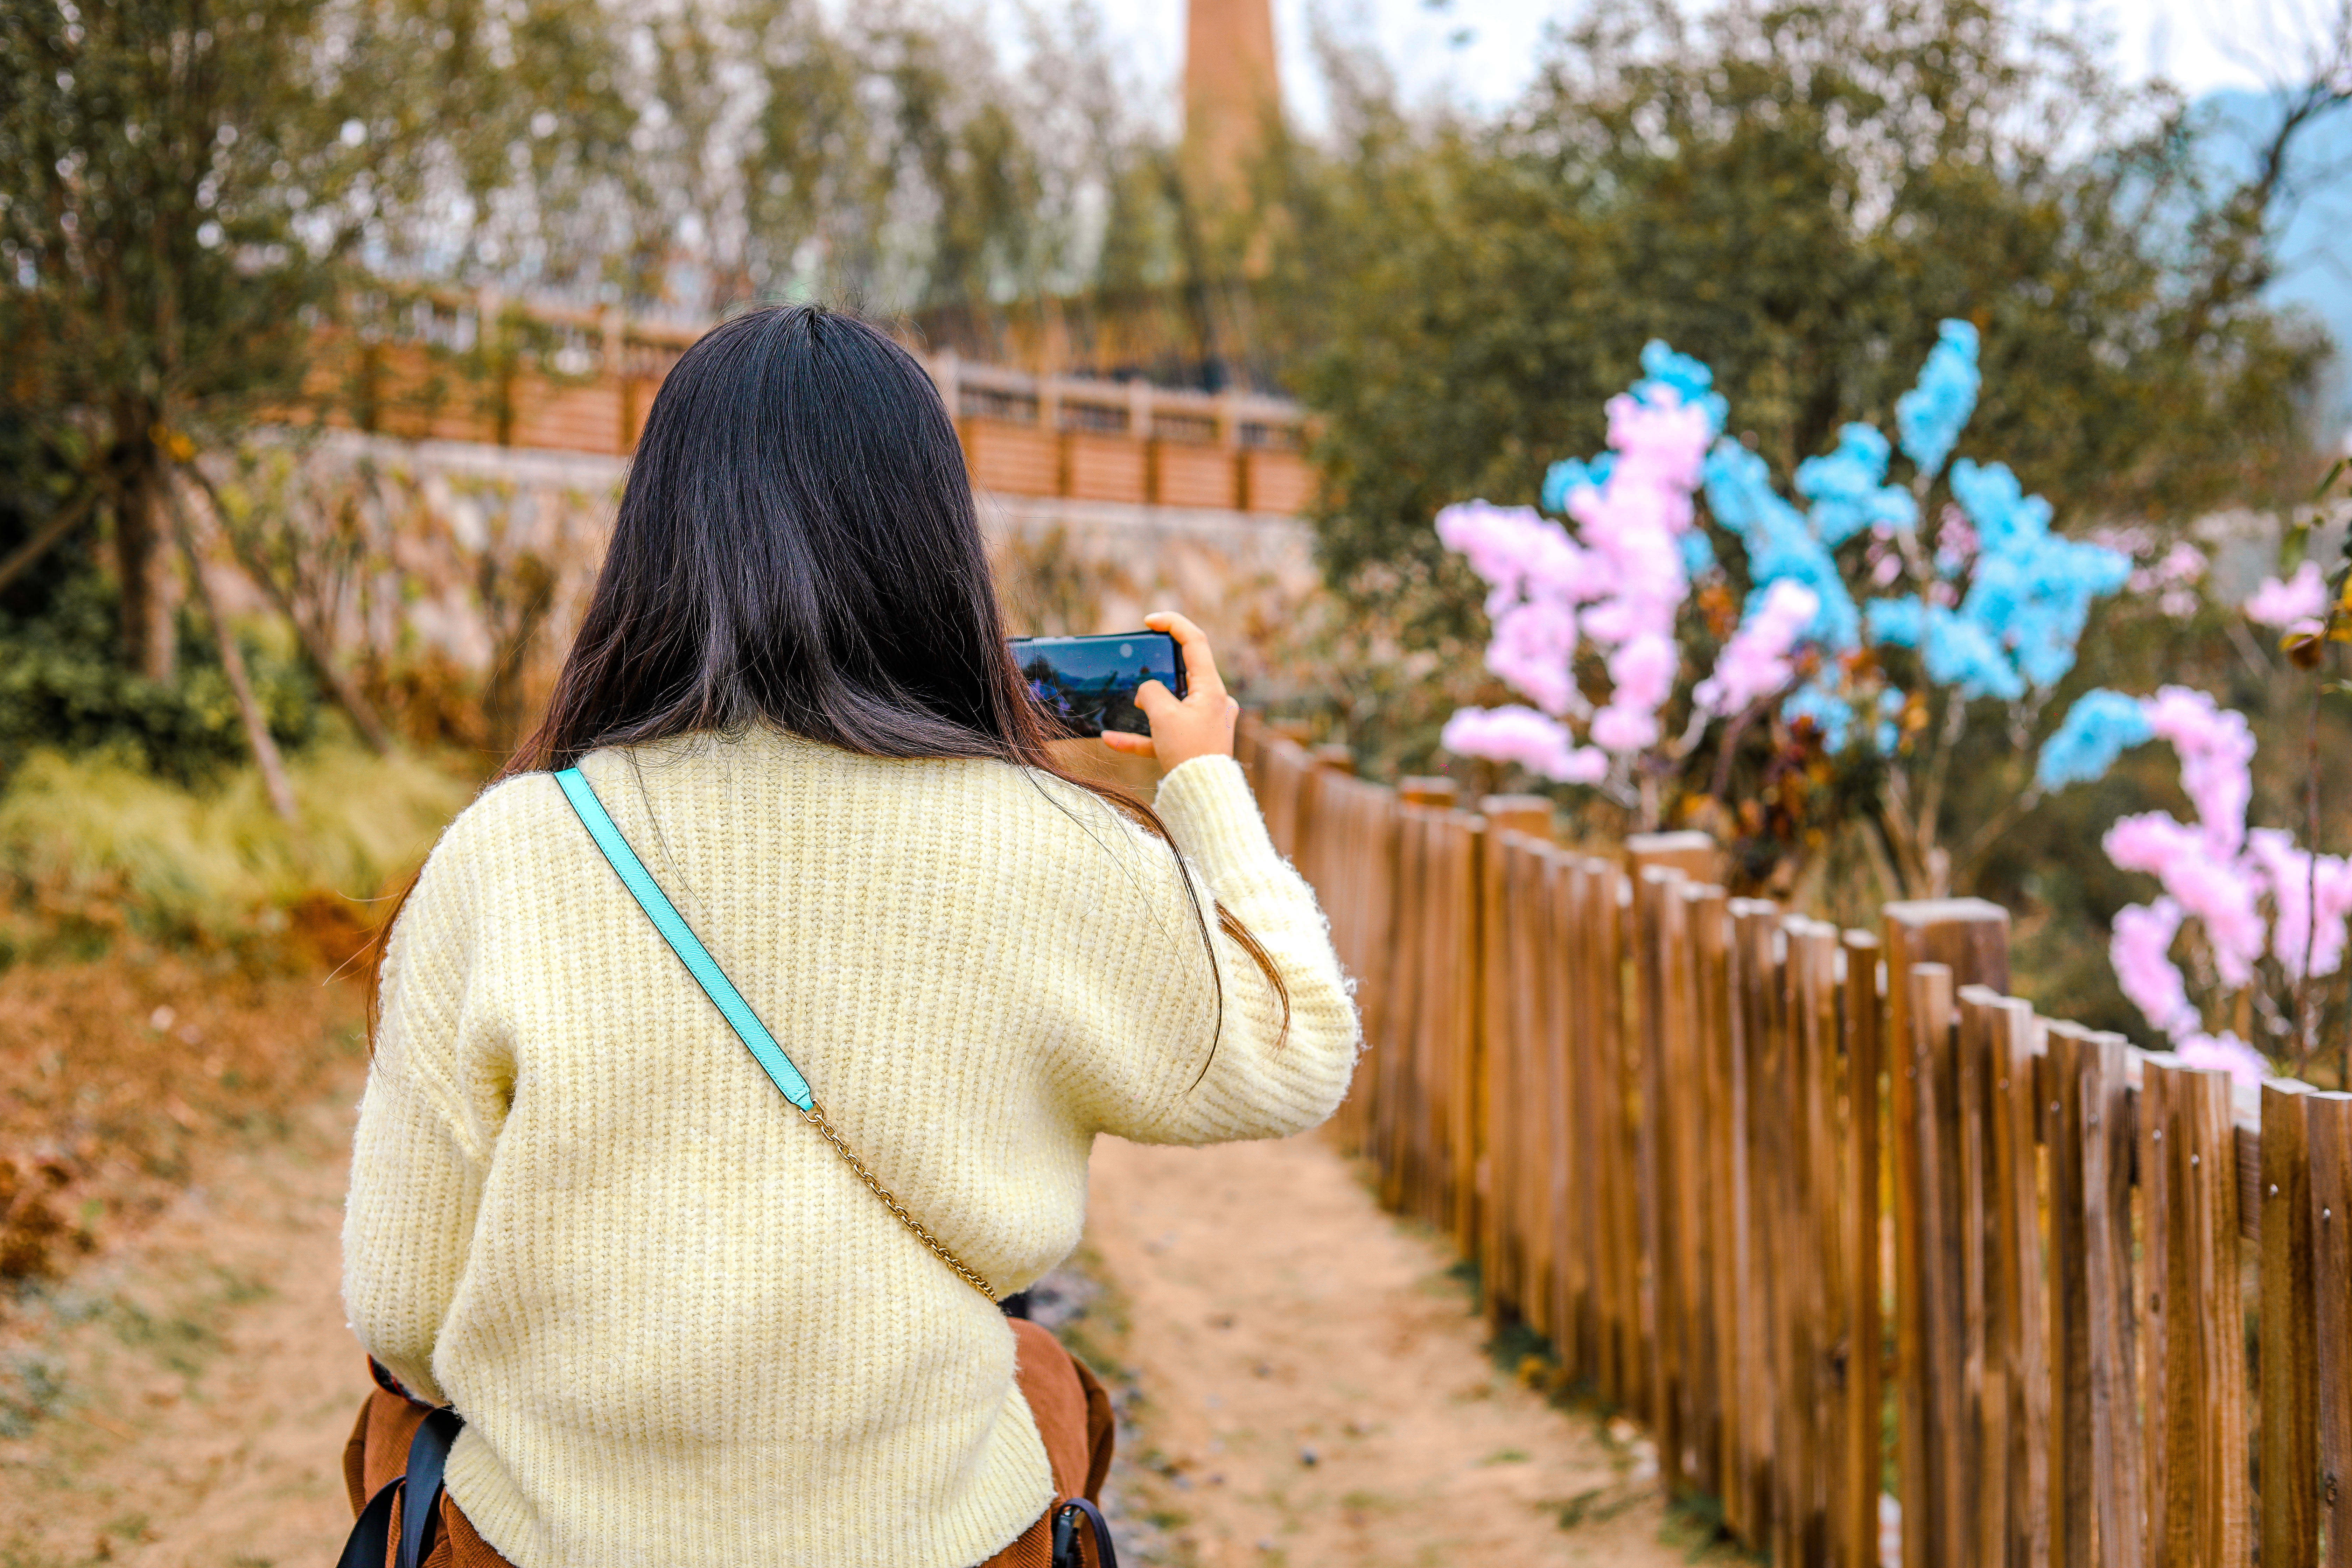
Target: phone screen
[[1087, 685]]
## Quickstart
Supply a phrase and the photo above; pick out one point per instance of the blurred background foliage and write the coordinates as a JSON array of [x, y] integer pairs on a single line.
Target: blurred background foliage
[[1797, 193]]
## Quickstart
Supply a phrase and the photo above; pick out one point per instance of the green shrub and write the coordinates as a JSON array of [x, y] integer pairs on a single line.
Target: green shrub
[[63, 686], [93, 846]]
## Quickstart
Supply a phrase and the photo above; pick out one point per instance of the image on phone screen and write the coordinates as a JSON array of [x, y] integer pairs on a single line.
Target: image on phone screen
[[1086, 685]]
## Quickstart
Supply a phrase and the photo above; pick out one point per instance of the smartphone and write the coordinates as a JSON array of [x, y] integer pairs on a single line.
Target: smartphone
[[1087, 685]]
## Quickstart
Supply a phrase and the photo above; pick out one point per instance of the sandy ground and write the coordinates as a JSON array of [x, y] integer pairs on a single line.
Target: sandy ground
[[185, 1400], [1312, 1386], [1303, 1382]]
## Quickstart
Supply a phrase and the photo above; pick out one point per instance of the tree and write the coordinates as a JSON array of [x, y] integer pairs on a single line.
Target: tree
[[201, 190], [1796, 192]]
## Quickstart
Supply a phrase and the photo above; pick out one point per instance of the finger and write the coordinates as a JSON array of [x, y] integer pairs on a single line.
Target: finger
[[1156, 699], [1133, 745], [1200, 663]]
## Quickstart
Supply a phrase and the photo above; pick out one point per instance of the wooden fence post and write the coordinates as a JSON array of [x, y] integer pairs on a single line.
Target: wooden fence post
[[1655, 889], [2108, 1134], [1580, 1199], [1718, 1299], [2328, 1121], [1970, 938], [2069, 1317], [1757, 1024], [2025, 1473], [1623, 1365], [1468, 844], [2290, 1371], [1694, 855], [1660, 864], [1500, 1063], [1934, 1393], [2197, 1377], [1985, 1345], [1811, 1400], [1855, 1526]]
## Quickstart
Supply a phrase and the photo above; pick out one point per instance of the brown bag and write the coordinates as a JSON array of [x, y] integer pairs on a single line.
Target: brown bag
[[1071, 1406]]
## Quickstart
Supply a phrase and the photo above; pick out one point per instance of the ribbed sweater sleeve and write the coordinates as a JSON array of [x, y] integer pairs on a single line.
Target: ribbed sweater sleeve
[[1264, 1078], [419, 1156]]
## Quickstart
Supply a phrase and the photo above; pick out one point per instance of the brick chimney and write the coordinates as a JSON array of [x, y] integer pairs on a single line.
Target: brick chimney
[[1232, 95]]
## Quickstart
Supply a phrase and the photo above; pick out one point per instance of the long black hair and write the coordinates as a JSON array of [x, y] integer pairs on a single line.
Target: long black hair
[[798, 546]]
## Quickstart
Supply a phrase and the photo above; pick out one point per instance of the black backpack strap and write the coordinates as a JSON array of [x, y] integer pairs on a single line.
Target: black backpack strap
[[372, 1532], [1068, 1521], [420, 1510]]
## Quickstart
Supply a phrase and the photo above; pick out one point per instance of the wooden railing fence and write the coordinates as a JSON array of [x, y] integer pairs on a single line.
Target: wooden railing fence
[[503, 371], [1829, 1212]]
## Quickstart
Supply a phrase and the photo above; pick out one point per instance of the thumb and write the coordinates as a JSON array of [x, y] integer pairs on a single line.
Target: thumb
[[1155, 698]]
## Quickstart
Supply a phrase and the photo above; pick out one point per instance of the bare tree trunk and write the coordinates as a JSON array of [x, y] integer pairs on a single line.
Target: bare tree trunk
[[314, 640], [141, 564], [248, 707]]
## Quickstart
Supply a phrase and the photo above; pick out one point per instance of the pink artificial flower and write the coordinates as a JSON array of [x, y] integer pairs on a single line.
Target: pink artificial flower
[[2227, 1054], [2140, 949], [2301, 598], [1536, 742], [2217, 754], [1661, 441], [1755, 662], [2223, 891], [2293, 878], [2132, 541], [1532, 648], [1618, 582]]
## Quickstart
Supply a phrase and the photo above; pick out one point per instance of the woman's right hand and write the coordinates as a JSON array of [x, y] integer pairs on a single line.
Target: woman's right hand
[[1198, 724]]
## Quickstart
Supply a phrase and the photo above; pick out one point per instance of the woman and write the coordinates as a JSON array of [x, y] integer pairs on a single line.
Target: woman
[[678, 1326]]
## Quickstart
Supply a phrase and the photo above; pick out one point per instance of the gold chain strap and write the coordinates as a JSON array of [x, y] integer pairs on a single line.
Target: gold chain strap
[[815, 1114]]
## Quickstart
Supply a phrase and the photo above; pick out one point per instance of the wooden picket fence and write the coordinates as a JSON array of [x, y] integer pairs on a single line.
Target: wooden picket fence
[[1828, 1211]]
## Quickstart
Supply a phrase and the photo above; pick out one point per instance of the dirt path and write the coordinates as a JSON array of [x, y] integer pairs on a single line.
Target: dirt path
[[1313, 1385], [1305, 1381], [184, 1401]]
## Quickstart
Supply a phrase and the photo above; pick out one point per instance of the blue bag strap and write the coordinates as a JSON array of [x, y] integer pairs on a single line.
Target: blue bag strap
[[683, 942]]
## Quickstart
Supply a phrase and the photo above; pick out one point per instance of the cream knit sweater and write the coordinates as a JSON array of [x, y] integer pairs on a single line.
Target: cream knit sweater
[[679, 1330]]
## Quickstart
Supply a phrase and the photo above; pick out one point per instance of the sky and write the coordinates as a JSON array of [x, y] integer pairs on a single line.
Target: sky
[[1484, 52]]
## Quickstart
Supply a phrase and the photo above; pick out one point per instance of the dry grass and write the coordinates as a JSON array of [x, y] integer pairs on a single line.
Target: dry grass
[[92, 851], [125, 1073], [164, 954]]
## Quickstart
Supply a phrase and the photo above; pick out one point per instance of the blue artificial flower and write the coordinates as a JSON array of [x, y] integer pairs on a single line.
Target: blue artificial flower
[[1849, 490], [1957, 650], [2032, 590], [1780, 542], [1890, 707], [2099, 728], [1698, 552], [1830, 714], [1998, 505], [1931, 415], [1962, 652], [1570, 475], [1894, 622], [1690, 380]]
